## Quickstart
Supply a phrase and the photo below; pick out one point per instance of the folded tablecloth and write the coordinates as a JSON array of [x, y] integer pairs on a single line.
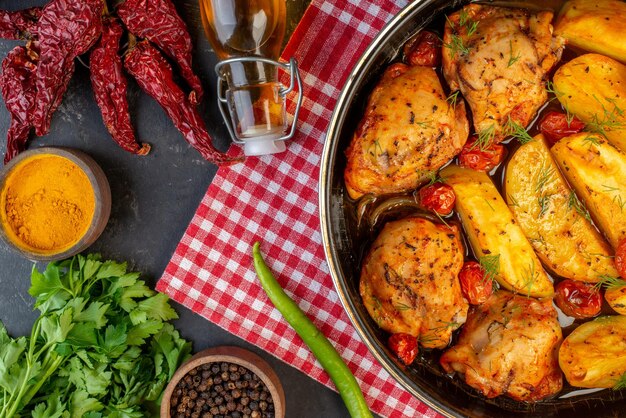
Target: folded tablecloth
[[274, 199]]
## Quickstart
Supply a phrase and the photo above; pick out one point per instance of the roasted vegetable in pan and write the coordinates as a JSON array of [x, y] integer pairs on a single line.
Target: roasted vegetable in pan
[[597, 171], [594, 354], [596, 26], [615, 295], [593, 87], [495, 236], [552, 218]]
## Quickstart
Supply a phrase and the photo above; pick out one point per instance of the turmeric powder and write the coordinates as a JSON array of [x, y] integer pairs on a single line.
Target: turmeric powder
[[47, 204]]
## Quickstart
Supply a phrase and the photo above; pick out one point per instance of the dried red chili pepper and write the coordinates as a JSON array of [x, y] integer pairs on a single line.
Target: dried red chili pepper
[[17, 83], [65, 30], [158, 21], [18, 24], [154, 75], [110, 85]]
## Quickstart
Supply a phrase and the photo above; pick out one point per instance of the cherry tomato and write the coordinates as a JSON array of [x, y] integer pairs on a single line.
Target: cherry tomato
[[577, 299], [438, 197], [481, 158], [620, 258], [404, 346], [423, 49], [554, 126], [395, 70], [475, 286]]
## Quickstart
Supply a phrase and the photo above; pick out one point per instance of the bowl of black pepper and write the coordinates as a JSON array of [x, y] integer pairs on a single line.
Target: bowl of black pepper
[[224, 382]]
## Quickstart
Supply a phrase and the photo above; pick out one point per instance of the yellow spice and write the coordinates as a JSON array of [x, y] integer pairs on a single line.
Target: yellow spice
[[47, 204]]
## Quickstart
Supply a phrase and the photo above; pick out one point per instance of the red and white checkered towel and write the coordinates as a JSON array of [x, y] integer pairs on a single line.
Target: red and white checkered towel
[[274, 199]]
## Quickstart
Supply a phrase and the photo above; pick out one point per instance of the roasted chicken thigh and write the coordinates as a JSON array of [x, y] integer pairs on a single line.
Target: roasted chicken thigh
[[509, 346], [409, 129], [499, 59], [409, 280]]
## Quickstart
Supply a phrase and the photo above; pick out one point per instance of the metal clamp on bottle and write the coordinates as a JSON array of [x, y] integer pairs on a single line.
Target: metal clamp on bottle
[[253, 102]]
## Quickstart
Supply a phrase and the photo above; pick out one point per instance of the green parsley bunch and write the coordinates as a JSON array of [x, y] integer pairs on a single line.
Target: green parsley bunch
[[101, 346]]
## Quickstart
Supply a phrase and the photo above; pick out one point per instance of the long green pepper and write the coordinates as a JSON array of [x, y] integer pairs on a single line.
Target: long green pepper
[[321, 348]]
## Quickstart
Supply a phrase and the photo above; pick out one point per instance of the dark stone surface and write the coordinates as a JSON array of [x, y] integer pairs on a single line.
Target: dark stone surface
[[154, 198]]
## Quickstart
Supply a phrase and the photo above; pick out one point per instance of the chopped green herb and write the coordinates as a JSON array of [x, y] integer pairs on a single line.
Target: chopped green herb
[[577, 205], [402, 307], [610, 282], [529, 278], [546, 176], [558, 95], [452, 98], [621, 383], [489, 204], [592, 140], [512, 58], [543, 202], [490, 265], [456, 46], [512, 200], [485, 138], [609, 120], [517, 131]]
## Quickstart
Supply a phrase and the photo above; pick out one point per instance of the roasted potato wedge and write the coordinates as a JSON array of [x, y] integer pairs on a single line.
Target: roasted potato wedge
[[545, 208], [594, 354], [595, 26], [495, 235], [615, 295], [593, 87], [597, 171]]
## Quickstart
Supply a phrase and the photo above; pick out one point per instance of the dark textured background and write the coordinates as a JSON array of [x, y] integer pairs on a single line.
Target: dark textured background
[[154, 198]]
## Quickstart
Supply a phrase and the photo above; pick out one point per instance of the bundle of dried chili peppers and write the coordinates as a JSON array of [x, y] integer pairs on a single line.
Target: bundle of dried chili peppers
[[35, 76]]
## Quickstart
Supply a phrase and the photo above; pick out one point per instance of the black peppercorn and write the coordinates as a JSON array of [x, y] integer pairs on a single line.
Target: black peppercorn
[[221, 390]]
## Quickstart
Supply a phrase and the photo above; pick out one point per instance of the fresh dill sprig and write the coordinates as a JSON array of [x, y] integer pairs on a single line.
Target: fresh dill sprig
[[517, 131], [617, 198], [529, 278], [592, 140], [402, 307], [485, 138], [445, 326], [456, 46], [546, 176], [609, 120], [377, 149], [423, 124], [543, 202], [452, 98], [490, 265], [610, 282], [569, 116], [489, 204], [465, 21], [434, 177], [512, 200], [512, 58], [621, 383], [577, 205]]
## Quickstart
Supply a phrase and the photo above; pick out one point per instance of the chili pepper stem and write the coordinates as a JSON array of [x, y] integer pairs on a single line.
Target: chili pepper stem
[[319, 345]]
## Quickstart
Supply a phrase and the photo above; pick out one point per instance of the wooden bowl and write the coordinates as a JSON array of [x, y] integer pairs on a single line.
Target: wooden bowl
[[102, 195], [234, 355]]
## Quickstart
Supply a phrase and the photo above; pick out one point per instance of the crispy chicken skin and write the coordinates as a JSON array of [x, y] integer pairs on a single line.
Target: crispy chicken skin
[[509, 346], [408, 130], [501, 71], [409, 280]]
